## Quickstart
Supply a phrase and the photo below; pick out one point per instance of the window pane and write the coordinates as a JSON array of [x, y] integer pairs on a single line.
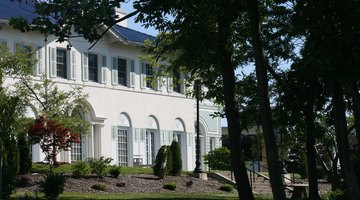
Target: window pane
[[61, 63], [93, 67], [122, 71], [149, 75], [76, 151], [122, 147]]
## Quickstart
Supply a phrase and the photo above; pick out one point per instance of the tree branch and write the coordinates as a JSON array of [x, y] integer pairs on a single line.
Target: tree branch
[[34, 93], [115, 22]]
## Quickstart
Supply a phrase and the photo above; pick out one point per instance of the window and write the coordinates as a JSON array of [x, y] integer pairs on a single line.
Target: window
[[176, 81], [150, 147], [122, 72], [122, 146], [76, 151], [149, 75], [93, 67], [212, 143], [61, 64]]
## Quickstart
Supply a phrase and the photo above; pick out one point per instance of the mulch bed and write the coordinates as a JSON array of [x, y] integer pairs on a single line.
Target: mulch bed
[[133, 183]]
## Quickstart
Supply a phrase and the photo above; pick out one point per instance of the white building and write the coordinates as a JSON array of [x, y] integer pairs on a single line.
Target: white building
[[130, 118]]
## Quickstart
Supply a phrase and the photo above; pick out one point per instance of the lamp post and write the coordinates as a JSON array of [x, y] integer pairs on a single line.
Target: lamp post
[[197, 162]]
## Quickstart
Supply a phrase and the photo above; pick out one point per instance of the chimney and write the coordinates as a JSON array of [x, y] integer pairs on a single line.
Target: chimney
[[121, 13]]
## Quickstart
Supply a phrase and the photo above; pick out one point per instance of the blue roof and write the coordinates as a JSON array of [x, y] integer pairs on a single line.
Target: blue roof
[[132, 35], [15, 8]]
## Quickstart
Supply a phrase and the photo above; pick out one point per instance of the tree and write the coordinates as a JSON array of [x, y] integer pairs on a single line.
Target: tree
[[52, 137], [59, 123], [176, 167], [218, 159], [11, 109]]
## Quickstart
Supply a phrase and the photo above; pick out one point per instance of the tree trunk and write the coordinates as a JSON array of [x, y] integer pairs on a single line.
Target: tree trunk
[[231, 108], [310, 151], [351, 182], [354, 91], [277, 185]]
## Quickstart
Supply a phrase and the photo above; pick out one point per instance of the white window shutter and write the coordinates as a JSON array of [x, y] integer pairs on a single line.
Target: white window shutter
[[72, 65], [170, 84], [159, 83], [38, 69], [85, 66], [114, 71], [132, 73], [103, 69], [52, 62], [84, 147], [132, 79], [114, 132]]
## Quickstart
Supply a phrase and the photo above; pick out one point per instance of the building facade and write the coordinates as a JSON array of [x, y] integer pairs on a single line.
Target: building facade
[[130, 117]]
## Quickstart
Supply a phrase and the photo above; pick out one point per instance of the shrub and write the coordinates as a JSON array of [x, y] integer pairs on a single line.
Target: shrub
[[114, 171], [160, 162], [176, 158], [9, 180], [170, 186], [335, 195], [53, 185], [189, 183], [226, 188], [99, 186], [24, 154], [120, 184], [98, 166], [218, 159], [80, 169]]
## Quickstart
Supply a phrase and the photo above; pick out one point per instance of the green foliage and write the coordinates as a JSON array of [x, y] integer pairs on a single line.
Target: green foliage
[[114, 171], [226, 188], [99, 186], [53, 185], [218, 159], [120, 184], [176, 159], [98, 166], [80, 169], [170, 186], [24, 154], [9, 179], [159, 168], [335, 195]]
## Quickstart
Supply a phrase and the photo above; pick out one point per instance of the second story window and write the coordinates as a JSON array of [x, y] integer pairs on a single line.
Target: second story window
[[61, 64], [149, 75], [122, 71], [176, 81], [93, 67]]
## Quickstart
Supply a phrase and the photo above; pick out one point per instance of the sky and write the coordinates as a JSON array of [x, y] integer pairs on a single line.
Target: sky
[[151, 31], [128, 7]]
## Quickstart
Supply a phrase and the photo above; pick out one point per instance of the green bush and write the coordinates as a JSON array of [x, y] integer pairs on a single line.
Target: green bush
[[227, 188], [160, 162], [114, 171], [24, 154], [9, 180], [80, 169], [335, 195], [53, 185], [98, 166], [99, 186], [176, 159], [170, 186], [218, 159], [120, 184]]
